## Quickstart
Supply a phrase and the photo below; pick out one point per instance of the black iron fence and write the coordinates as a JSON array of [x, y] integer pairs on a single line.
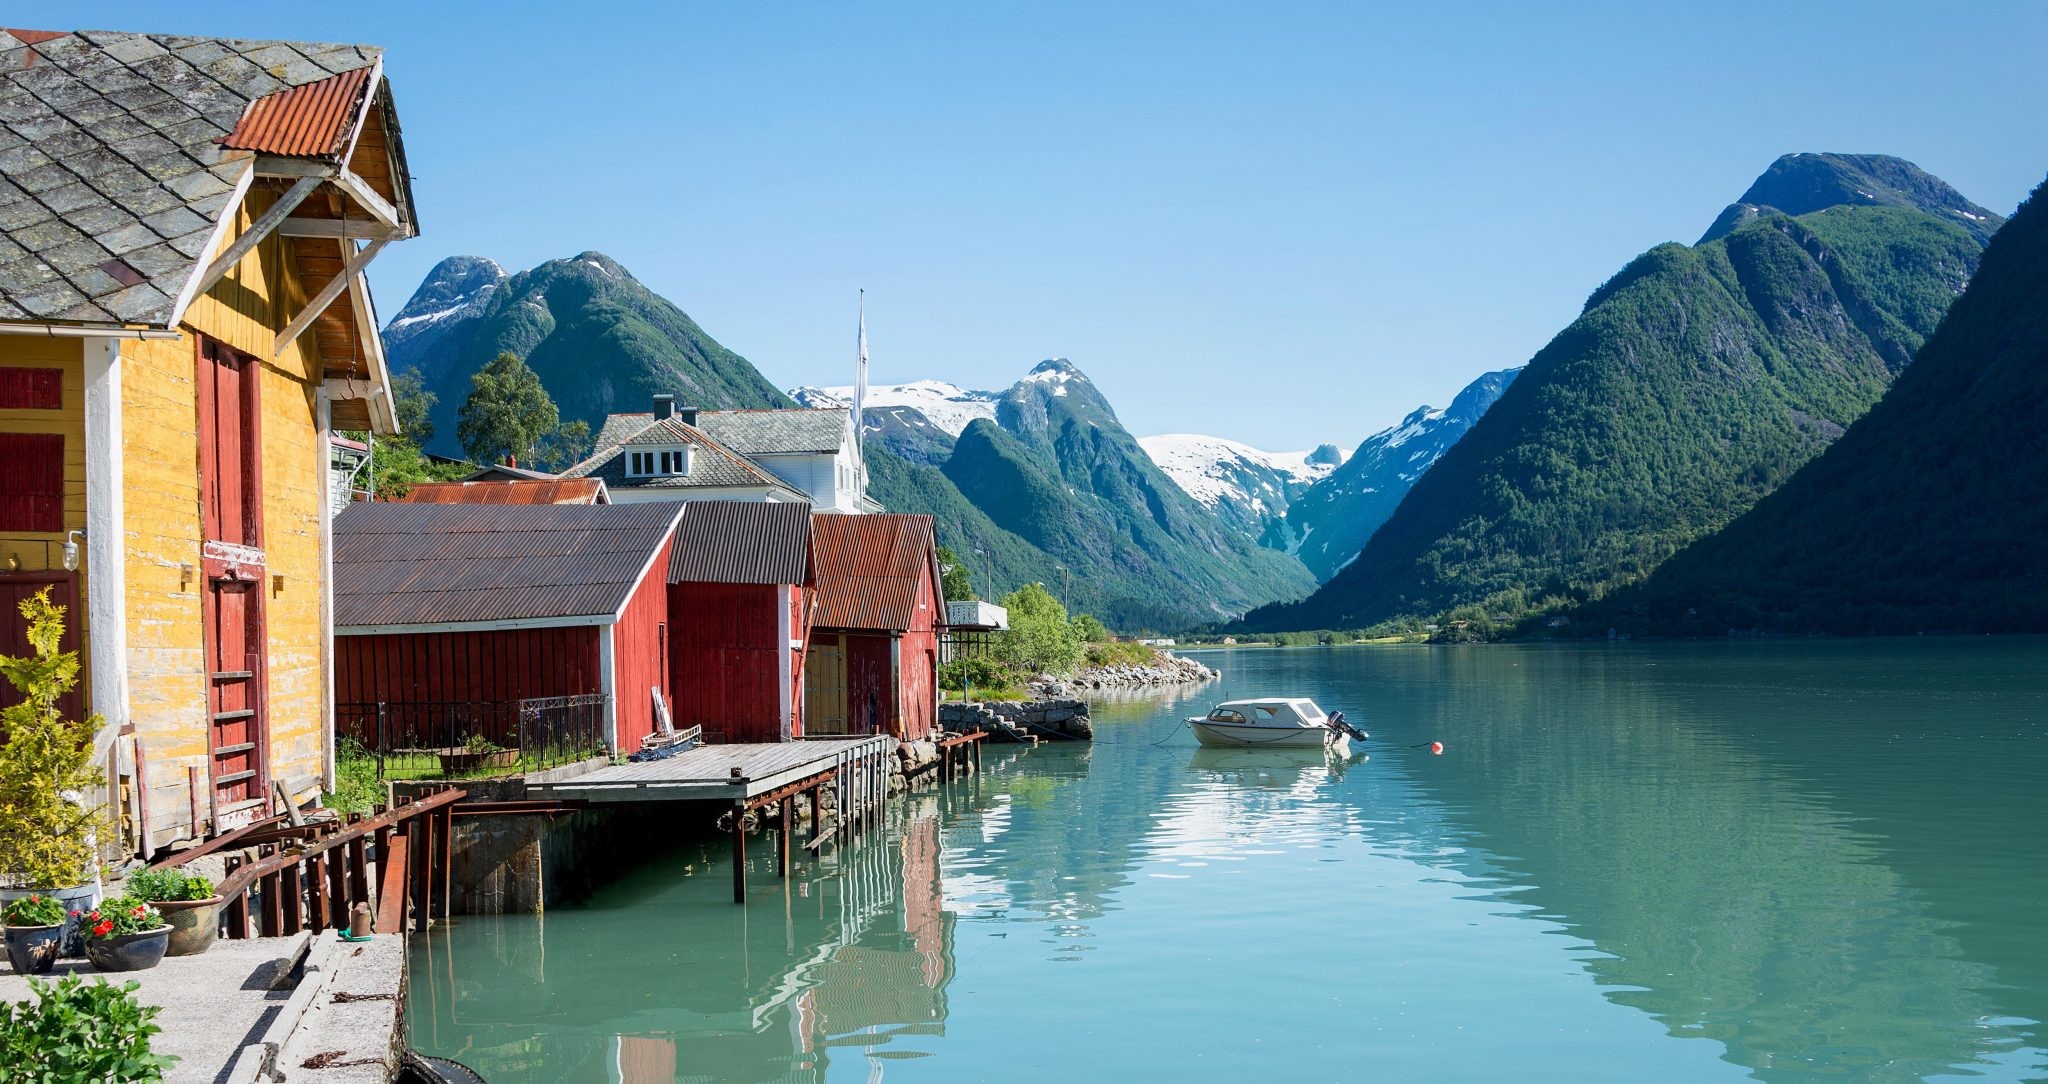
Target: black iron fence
[[467, 739]]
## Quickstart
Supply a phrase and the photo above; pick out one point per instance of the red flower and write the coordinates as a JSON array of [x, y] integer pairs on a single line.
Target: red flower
[[74, 914], [138, 911], [103, 929]]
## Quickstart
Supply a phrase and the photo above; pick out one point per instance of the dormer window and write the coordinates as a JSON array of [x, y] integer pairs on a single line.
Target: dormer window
[[658, 462]]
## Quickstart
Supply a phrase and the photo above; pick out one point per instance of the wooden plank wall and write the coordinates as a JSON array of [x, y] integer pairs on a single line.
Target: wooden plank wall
[[870, 699], [638, 652], [723, 659], [160, 477], [917, 683], [423, 667]]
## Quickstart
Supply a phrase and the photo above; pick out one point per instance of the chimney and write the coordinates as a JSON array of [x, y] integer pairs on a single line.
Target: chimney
[[687, 415], [665, 407]]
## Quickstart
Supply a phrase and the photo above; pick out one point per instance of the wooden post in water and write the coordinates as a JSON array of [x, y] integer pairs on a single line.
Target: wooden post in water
[[739, 851], [788, 807]]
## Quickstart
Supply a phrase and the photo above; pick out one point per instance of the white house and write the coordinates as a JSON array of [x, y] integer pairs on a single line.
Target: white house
[[682, 454]]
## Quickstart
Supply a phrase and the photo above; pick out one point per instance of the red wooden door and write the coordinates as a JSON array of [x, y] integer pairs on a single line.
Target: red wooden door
[[17, 586], [231, 513]]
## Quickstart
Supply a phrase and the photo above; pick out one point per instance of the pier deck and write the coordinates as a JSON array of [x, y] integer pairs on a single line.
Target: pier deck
[[752, 776], [712, 772]]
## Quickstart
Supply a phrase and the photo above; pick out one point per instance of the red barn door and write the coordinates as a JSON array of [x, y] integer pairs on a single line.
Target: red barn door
[[231, 507]]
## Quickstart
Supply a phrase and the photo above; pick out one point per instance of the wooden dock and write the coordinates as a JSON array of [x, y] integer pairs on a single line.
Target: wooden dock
[[750, 777]]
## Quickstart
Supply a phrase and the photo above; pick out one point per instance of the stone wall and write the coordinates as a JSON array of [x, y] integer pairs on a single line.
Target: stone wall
[[1020, 720]]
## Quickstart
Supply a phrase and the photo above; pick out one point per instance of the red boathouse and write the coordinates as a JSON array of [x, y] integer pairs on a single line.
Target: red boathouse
[[738, 602], [873, 662], [444, 614]]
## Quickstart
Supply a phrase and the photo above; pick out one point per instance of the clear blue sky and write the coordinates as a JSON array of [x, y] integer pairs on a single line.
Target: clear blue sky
[[1282, 224]]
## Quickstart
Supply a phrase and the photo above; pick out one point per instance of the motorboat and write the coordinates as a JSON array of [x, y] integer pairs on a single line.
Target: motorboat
[[1274, 723]]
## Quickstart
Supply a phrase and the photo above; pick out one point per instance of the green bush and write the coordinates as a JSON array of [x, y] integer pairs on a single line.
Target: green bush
[[169, 885], [1040, 639], [45, 837], [977, 673], [75, 1032], [357, 788], [1120, 653]]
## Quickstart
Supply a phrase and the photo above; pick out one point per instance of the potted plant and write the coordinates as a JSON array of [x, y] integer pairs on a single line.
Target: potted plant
[[187, 901], [46, 773], [476, 753], [125, 934], [35, 933]]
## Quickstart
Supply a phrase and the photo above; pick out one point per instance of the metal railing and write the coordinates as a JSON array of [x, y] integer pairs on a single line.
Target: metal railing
[[471, 739]]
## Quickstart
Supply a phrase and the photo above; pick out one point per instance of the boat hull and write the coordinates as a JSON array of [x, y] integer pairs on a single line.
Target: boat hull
[[1240, 736]]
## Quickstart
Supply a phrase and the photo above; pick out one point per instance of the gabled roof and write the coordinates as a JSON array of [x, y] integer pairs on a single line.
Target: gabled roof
[[868, 570], [713, 464], [821, 430], [120, 154], [499, 472], [742, 542], [519, 491], [398, 565]]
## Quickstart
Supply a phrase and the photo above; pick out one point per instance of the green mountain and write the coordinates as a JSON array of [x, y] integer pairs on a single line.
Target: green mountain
[[1800, 184], [1693, 383], [600, 340], [1924, 517], [1058, 493], [1061, 493]]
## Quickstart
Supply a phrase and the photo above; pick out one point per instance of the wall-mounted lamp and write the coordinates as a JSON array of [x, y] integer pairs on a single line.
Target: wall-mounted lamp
[[71, 550], [277, 584], [185, 574]]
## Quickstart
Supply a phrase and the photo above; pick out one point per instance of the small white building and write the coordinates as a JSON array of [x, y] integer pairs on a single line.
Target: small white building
[[683, 454]]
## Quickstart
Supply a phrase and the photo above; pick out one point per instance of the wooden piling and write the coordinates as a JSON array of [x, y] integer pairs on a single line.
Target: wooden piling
[[739, 852]]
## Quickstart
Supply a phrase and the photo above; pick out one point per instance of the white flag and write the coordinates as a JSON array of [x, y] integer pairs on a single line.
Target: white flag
[[860, 376]]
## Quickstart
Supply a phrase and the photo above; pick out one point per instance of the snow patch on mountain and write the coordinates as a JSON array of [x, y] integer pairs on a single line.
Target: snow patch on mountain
[[948, 406], [1215, 469]]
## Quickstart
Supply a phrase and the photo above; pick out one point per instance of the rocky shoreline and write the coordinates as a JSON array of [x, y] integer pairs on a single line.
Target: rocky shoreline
[[1166, 669], [1020, 720]]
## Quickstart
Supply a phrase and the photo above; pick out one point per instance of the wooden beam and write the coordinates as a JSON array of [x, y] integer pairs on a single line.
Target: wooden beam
[[359, 190], [395, 868], [337, 229], [327, 296], [739, 852], [257, 231]]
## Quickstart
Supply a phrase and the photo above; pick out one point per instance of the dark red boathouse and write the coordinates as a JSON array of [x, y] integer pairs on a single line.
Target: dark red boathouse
[[738, 601], [447, 608], [873, 663]]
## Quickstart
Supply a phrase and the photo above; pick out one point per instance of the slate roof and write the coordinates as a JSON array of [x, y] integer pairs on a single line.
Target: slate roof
[[868, 568], [742, 542], [713, 465], [113, 172], [819, 430], [431, 564]]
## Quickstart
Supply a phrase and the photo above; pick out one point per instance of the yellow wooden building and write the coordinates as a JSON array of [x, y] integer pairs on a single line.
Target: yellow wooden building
[[184, 223]]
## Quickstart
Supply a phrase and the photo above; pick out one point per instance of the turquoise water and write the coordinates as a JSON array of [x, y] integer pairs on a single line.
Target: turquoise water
[[1784, 862]]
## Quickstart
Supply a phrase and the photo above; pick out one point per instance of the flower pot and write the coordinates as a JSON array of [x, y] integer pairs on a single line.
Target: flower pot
[[462, 762], [78, 900], [194, 923], [129, 952], [32, 950]]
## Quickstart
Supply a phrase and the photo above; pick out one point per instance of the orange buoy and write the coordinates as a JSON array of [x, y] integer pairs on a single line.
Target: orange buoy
[[1436, 749]]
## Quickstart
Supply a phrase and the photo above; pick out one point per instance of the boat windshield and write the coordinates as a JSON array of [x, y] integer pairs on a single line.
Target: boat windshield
[[1226, 715]]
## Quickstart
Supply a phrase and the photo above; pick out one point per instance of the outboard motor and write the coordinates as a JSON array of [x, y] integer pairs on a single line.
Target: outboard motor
[[1336, 722]]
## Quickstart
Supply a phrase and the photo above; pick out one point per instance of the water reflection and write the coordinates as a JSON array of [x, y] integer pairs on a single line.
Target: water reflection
[[1654, 863], [662, 978]]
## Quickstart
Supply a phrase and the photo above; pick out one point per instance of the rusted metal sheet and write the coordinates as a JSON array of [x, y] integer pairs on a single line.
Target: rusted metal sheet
[[424, 564], [554, 491], [742, 542], [309, 121], [868, 570]]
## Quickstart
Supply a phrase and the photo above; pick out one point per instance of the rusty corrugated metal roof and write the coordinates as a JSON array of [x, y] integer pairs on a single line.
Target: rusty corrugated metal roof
[[433, 564], [868, 568], [310, 121], [524, 491], [742, 542]]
